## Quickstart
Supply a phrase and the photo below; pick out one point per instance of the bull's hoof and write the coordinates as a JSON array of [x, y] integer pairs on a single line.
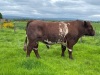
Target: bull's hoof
[[62, 55], [27, 55], [38, 57], [25, 48], [71, 58]]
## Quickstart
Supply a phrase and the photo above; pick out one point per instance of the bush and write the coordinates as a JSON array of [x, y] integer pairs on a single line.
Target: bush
[[0, 16], [8, 25]]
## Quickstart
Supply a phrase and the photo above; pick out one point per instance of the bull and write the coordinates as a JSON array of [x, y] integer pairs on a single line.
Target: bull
[[64, 33]]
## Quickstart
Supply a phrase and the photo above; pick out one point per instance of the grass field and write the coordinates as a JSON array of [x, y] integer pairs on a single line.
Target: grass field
[[13, 59]]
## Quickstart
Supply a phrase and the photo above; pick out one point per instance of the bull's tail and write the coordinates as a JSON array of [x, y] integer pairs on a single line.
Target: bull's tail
[[28, 23], [25, 44]]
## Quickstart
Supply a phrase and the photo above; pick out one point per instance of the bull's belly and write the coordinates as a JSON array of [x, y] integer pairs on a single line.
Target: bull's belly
[[51, 42], [57, 41]]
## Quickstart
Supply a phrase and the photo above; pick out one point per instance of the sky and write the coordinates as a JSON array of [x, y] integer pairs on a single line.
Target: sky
[[78, 9]]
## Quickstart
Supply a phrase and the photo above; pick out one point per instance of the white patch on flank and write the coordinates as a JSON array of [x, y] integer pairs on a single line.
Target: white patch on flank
[[68, 23], [60, 30], [63, 29], [35, 48], [59, 24], [70, 50], [49, 42]]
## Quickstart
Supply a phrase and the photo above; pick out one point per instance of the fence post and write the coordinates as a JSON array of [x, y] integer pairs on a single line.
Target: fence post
[[1, 24], [14, 27]]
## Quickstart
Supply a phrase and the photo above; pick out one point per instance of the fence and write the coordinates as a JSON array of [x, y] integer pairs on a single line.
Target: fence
[[22, 24], [19, 24]]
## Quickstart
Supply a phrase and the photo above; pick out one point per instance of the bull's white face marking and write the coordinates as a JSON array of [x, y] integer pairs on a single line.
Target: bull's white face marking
[[63, 29], [70, 50]]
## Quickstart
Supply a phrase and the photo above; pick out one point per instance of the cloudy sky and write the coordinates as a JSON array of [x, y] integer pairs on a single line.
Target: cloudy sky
[[78, 9]]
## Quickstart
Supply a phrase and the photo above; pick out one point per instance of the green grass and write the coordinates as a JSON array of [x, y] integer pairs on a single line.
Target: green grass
[[13, 59]]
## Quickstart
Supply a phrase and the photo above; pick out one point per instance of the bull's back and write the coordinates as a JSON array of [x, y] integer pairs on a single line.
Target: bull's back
[[51, 31], [51, 28]]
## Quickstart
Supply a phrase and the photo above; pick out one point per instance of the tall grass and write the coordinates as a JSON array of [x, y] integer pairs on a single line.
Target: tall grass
[[13, 59]]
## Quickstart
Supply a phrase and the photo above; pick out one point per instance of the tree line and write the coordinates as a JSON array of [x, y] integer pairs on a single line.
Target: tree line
[[1, 16]]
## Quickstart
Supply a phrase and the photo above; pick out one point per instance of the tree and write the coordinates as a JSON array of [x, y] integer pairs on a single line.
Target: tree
[[0, 16]]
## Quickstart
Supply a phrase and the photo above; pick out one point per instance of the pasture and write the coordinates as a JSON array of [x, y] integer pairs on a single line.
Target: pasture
[[13, 59]]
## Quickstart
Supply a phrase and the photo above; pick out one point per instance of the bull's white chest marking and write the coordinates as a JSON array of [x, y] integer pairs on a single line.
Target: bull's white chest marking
[[63, 29]]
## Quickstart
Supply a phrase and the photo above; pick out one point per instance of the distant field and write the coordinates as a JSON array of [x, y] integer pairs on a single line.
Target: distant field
[[13, 59]]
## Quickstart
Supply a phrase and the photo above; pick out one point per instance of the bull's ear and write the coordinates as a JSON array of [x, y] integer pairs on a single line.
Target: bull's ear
[[85, 24]]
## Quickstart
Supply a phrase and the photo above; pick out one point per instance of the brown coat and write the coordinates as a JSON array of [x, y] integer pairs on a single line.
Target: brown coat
[[65, 33]]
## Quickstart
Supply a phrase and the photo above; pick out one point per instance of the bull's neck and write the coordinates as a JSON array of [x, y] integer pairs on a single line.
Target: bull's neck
[[81, 31]]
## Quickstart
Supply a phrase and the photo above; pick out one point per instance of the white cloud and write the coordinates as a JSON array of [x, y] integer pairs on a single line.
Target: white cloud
[[79, 9], [95, 16]]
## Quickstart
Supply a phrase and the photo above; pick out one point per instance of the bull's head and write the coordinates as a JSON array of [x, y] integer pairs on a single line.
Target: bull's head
[[88, 29]]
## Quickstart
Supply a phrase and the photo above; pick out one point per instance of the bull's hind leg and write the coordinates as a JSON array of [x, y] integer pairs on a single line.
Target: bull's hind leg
[[48, 46], [63, 50], [29, 48], [35, 48], [32, 45]]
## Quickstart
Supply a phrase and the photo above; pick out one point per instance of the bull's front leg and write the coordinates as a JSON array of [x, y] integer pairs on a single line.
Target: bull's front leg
[[29, 48], [70, 45], [63, 50], [70, 53]]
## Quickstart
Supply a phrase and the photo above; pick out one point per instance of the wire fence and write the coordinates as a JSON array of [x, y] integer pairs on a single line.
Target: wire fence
[[20, 25]]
